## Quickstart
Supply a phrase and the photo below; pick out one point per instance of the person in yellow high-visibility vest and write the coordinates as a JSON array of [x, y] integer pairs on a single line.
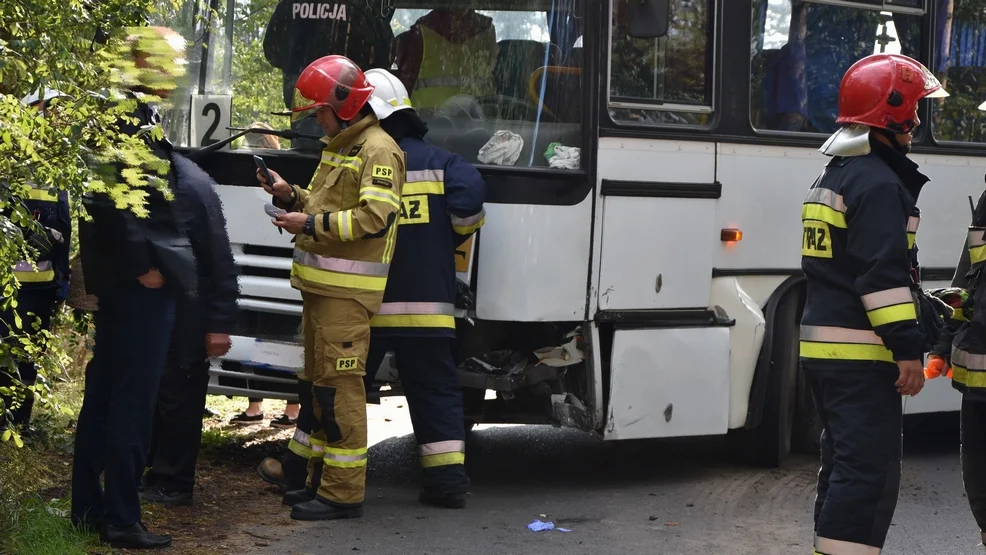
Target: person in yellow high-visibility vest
[[445, 53]]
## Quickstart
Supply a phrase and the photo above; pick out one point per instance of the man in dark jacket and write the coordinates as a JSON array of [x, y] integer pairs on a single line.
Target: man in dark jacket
[[137, 268], [202, 328]]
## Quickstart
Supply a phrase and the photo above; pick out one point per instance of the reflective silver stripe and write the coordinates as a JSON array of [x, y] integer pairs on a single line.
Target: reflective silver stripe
[[441, 447], [385, 196], [425, 175], [976, 236], [358, 267], [345, 458], [302, 438], [318, 448], [444, 81], [831, 334], [968, 360], [912, 224], [887, 297], [26, 266], [840, 547], [828, 197], [417, 308], [468, 220]]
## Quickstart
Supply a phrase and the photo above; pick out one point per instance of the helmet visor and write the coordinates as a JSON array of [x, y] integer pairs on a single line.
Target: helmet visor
[[302, 107]]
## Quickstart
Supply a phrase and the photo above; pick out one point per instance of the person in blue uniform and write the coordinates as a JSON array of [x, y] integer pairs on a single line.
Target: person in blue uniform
[[866, 322], [43, 282], [441, 207]]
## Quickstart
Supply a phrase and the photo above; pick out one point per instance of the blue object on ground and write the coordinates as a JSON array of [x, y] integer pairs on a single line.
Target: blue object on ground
[[538, 526]]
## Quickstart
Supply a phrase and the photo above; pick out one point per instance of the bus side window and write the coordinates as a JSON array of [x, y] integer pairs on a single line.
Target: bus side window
[[664, 80], [801, 50], [960, 64], [477, 75]]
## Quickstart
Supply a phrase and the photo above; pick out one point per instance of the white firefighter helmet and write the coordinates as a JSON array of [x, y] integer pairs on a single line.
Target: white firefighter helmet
[[41, 95], [389, 94]]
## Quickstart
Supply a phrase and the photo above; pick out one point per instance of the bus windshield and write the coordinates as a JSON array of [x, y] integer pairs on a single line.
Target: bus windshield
[[497, 82]]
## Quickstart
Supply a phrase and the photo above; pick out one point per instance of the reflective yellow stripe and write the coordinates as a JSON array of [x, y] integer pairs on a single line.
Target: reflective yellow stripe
[[469, 224], [345, 222], [34, 277], [845, 351], [823, 213], [891, 314], [297, 448], [911, 239], [977, 254], [423, 187], [338, 160], [412, 321], [336, 279], [969, 379], [442, 459], [344, 458], [43, 195], [318, 445], [368, 194], [391, 242]]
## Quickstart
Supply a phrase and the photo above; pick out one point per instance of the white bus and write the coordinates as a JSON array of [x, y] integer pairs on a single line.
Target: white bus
[[669, 245]]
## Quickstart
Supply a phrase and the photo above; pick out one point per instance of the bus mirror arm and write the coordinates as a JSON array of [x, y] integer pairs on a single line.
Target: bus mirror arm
[[286, 134]]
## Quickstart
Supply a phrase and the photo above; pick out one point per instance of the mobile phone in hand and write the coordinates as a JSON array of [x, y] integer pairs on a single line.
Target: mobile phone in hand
[[263, 167], [273, 211]]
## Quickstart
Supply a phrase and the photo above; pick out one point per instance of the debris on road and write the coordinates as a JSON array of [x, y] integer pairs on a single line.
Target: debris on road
[[538, 526]]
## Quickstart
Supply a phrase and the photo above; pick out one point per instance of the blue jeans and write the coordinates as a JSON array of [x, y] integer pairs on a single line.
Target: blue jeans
[[133, 330]]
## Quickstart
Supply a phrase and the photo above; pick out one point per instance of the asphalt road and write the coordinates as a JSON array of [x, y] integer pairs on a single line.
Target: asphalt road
[[663, 497]]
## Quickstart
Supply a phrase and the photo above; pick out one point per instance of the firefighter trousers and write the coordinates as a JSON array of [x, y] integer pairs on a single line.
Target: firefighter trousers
[[31, 302], [431, 384], [337, 338], [861, 414], [973, 436]]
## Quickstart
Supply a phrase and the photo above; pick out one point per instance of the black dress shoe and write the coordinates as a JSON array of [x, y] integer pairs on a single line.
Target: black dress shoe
[[447, 500], [164, 496], [292, 498], [317, 509], [133, 537]]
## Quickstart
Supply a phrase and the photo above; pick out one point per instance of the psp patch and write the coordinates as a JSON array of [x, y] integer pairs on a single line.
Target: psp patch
[[348, 363], [384, 172]]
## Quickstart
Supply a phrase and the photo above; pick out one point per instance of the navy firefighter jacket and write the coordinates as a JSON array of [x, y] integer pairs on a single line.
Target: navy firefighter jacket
[[859, 255], [51, 236], [441, 207]]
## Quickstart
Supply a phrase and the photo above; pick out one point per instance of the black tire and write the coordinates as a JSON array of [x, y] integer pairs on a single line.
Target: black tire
[[807, 426], [769, 443]]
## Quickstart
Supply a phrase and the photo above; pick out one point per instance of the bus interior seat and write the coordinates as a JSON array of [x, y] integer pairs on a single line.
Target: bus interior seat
[[515, 63], [560, 97]]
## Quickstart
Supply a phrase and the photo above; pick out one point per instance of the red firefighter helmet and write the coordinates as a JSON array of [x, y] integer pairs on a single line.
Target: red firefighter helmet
[[882, 91], [334, 81]]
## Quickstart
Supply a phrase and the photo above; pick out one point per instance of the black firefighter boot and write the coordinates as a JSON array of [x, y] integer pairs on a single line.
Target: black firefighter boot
[[321, 509], [305, 493]]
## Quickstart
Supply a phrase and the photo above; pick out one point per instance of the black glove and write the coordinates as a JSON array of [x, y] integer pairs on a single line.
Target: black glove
[[933, 314], [465, 299]]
